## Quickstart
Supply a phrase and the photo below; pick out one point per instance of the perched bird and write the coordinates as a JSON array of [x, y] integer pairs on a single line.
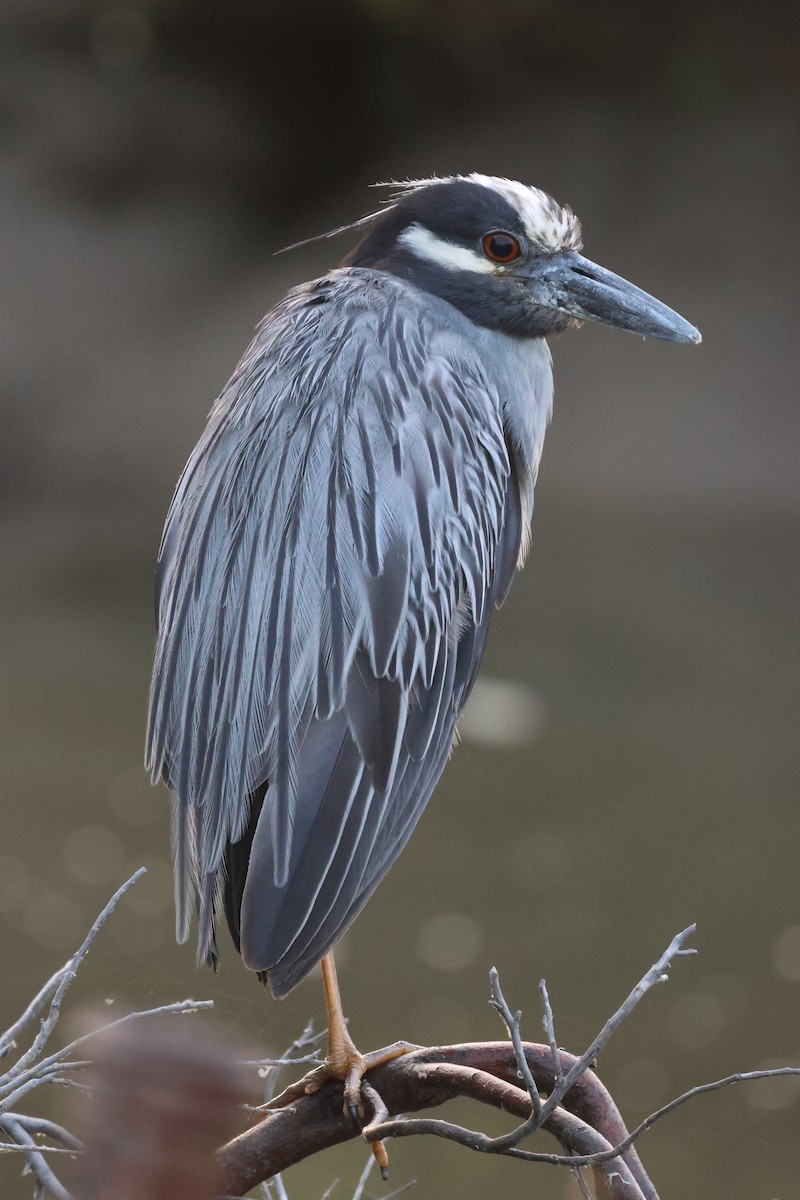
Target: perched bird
[[354, 511]]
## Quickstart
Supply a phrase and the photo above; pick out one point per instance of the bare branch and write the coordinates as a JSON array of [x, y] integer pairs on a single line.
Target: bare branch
[[487, 1072], [548, 1024], [65, 977], [701, 1090], [44, 1128], [364, 1176], [399, 1191], [31, 1070], [561, 1095], [268, 1064], [9, 1038], [307, 1038], [656, 974], [582, 1184], [45, 1070], [40, 1169], [498, 1002]]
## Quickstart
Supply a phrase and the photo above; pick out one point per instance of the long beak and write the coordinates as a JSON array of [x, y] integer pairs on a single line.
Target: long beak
[[573, 284]]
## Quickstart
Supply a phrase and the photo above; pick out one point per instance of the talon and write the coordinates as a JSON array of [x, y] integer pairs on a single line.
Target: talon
[[356, 1114], [382, 1159]]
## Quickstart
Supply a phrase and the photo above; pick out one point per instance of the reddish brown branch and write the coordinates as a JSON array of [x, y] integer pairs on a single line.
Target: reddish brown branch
[[587, 1122]]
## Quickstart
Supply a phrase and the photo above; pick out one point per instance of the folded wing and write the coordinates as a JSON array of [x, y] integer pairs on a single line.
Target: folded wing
[[331, 558]]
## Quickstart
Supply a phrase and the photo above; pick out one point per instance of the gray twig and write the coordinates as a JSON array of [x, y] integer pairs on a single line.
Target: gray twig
[[49, 1129], [31, 1070], [480, 1141], [656, 974], [9, 1038], [363, 1177], [541, 1112], [271, 1075], [64, 977], [269, 1064], [399, 1191], [40, 1169], [289, 1057], [46, 1070], [548, 1024], [511, 1022]]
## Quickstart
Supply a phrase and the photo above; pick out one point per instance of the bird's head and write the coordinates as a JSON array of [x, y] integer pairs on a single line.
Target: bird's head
[[508, 256]]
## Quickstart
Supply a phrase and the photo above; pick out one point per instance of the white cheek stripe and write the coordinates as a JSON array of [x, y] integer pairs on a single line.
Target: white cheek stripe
[[427, 245]]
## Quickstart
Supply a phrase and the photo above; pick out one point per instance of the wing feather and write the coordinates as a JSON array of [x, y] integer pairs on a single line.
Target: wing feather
[[330, 561]]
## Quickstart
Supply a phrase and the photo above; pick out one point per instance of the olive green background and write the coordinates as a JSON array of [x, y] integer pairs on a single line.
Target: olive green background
[[152, 158]]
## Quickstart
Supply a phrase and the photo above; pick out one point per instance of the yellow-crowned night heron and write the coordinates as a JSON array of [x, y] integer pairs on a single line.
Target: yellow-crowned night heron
[[355, 510]]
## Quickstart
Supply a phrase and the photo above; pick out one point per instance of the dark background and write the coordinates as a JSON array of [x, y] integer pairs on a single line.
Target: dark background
[[153, 156]]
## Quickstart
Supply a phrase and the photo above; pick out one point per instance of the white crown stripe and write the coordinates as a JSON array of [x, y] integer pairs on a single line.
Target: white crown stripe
[[547, 223]]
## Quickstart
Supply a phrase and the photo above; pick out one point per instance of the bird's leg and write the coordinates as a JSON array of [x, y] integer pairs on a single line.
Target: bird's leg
[[344, 1060]]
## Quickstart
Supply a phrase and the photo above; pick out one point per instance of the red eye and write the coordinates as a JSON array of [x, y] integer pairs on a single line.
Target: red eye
[[500, 247]]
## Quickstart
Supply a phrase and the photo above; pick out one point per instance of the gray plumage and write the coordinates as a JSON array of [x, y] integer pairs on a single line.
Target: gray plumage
[[351, 516]]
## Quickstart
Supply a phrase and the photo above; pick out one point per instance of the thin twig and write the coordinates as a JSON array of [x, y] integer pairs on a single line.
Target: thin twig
[[67, 974], [548, 1024], [701, 1090], [307, 1038], [48, 1129], [272, 1073], [9, 1147], [280, 1188], [511, 1022], [468, 1137], [33, 1153], [363, 1177], [31, 1070], [656, 974], [35, 1074], [568, 1128], [583, 1186], [270, 1064], [9, 1038], [379, 1110], [399, 1191]]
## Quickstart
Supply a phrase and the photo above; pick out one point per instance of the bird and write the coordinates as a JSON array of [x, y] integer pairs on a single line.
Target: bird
[[354, 512]]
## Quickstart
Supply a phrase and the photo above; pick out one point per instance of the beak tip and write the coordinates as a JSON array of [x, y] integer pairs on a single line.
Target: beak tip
[[687, 334]]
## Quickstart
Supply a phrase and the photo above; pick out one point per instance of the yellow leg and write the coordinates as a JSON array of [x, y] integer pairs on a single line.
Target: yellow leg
[[344, 1061]]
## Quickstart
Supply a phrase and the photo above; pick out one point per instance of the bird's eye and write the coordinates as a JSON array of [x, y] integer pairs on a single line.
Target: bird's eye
[[500, 247]]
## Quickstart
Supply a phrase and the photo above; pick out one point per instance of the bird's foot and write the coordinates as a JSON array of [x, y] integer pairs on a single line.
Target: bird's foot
[[347, 1064]]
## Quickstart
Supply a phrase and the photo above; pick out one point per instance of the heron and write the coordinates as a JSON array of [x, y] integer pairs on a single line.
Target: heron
[[355, 510]]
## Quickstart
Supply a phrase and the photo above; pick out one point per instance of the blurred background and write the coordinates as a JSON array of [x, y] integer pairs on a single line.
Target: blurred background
[[632, 761]]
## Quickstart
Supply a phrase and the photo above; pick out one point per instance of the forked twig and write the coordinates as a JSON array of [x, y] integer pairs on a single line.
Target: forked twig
[[32, 1070], [656, 974]]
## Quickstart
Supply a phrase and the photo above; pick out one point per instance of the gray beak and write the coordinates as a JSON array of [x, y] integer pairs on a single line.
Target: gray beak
[[573, 284]]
